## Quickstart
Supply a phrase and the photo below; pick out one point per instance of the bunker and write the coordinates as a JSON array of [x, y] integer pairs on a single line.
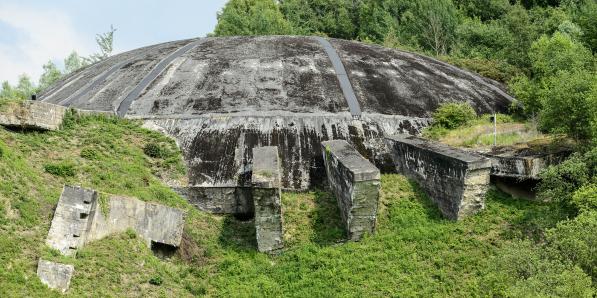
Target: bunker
[[222, 97]]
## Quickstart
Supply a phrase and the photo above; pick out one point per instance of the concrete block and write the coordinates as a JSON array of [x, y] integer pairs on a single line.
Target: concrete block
[[55, 275], [71, 219], [456, 180], [522, 164], [267, 199], [32, 115], [355, 182], [153, 222]]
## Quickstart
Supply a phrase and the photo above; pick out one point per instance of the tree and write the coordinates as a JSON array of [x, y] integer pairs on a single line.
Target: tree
[[251, 17], [432, 23], [105, 42], [558, 53], [73, 62], [50, 75]]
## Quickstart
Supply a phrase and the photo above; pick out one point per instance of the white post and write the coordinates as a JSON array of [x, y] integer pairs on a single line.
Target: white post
[[494, 129]]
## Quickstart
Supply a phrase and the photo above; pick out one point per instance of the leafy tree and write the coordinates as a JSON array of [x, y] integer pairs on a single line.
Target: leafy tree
[[483, 9], [570, 104], [251, 17], [432, 24], [50, 75], [558, 53], [73, 62], [105, 42]]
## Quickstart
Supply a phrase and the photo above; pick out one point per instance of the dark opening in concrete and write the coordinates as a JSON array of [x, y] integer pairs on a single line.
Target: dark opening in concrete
[[244, 216], [515, 187], [162, 250]]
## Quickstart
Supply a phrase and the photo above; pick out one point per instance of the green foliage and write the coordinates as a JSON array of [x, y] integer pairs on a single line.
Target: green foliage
[[156, 280], [61, 169], [559, 52], [432, 24], [251, 17], [50, 75], [569, 102], [73, 62], [452, 115], [565, 182], [156, 150], [105, 42], [576, 242], [90, 153], [585, 198]]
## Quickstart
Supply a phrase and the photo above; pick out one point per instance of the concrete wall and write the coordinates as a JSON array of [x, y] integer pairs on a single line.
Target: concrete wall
[[78, 219], [455, 180], [32, 114], [266, 181], [355, 183]]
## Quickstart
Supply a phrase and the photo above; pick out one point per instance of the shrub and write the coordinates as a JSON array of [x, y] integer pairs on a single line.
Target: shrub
[[453, 115], [559, 182], [155, 150], [576, 241], [585, 198], [156, 280], [89, 153], [61, 169]]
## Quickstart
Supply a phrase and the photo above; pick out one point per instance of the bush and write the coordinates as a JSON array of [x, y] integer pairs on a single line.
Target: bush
[[453, 115], [155, 150], [559, 182], [576, 241], [62, 169], [89, 153], [585, 198], [156, 280]]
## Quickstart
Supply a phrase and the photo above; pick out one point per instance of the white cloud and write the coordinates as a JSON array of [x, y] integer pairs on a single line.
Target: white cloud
[[41, 35]]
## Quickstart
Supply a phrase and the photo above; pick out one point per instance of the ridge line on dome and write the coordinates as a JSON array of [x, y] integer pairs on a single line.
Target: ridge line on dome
[[77, 95], [342, 76], [152, 75]]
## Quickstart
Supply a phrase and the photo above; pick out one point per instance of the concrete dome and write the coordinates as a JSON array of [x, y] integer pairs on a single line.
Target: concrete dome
[[220, 97]]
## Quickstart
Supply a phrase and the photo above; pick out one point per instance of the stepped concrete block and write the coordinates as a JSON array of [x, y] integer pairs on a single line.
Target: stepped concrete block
[[267, 198], [71, 221], [55, 275], [32, 114], [521, 164], [456, 180], [355, 182]]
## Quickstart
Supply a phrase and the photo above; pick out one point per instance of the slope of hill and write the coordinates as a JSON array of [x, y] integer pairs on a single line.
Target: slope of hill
[[414, 252]]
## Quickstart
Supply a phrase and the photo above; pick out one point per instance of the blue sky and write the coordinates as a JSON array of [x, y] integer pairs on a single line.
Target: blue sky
[[33, 32]]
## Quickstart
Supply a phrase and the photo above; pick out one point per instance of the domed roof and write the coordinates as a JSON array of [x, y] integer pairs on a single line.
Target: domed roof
[[220, 97], [273, 73]]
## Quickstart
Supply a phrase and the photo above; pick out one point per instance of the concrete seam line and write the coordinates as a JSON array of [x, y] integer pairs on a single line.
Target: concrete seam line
[[152, 75], [342, 76], [67, 101]]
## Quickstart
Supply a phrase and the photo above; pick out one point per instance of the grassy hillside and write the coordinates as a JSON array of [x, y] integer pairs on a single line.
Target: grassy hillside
[[414, 252]]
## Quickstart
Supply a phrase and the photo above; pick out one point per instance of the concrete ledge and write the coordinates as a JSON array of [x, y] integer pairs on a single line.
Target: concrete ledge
[[355, 183], [32, 115], [267, 199], [522, 165], [55, 275], [456, 180], [219, 200]]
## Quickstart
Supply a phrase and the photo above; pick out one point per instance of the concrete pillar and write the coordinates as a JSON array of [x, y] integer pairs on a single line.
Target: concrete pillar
[[355, 183], [267, 198]]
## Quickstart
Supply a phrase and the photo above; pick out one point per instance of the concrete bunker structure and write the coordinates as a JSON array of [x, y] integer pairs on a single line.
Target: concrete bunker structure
[[220, 97]]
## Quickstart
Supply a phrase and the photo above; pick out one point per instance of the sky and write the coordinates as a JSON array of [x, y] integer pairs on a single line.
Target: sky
[[35, 31]]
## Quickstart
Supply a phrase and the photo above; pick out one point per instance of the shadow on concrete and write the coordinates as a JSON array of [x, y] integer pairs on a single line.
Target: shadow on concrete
[[238, 233], [326, 220], [431, 209]]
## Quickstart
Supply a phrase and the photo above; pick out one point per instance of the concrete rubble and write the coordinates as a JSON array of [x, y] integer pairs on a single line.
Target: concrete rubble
[[356, 183], [456, 180], [55, 275], [267, 198]]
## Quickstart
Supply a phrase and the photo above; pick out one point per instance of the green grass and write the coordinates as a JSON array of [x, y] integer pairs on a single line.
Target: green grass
[[415, 252]]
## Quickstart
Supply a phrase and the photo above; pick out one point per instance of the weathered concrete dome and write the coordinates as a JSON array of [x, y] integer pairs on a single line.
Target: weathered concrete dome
[[220, 97]]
